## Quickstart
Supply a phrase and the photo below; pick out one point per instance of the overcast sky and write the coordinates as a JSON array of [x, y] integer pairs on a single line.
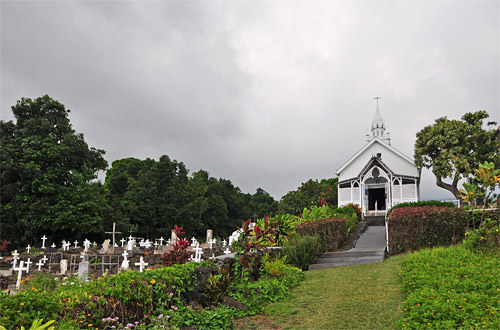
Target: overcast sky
[[263, 93]]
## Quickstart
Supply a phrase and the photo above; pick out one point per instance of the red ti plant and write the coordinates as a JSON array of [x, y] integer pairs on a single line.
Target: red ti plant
[[251, 240], [179, 254]]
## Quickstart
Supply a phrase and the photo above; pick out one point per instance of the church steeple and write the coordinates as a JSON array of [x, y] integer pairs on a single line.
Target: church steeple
[[378, 128]]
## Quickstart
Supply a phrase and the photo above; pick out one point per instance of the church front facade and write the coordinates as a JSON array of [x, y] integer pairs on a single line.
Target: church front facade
[[378, 176]]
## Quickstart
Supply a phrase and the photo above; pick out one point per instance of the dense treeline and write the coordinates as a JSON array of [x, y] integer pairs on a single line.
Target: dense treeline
[[48, 186]]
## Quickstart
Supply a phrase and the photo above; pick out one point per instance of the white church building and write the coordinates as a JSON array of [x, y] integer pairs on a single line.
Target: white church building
[[378, 176]]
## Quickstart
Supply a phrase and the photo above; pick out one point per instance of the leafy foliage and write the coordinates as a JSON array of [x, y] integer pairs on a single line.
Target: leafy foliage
[[417, 227], [454, 148], [485, 238], [46, 173], [310, 193], [178, 255], [450, 288], [332, 232], [301, 251]]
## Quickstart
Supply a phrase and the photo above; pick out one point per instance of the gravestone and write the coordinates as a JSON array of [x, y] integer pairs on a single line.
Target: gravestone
[[28, 263], [28, 248], [173, 237], [63, 267], [15, 255], [141, 264], [105, 246], [43, 241], [20, 270], [83, 270], [210, 235], [39, 264], [125, 263]]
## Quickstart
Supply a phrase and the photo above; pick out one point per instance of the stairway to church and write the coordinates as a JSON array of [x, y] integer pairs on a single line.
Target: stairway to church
[[376, 220], [370, 248]]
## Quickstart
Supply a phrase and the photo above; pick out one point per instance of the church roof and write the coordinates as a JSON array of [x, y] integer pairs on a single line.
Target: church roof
[[368, 145]]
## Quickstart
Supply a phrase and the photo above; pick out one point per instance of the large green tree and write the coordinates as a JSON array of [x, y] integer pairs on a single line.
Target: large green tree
[[454, 148], [310, 193], [47, 172]]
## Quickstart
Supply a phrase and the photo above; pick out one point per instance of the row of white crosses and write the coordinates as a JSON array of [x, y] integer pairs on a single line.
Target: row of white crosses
[[24, 266]]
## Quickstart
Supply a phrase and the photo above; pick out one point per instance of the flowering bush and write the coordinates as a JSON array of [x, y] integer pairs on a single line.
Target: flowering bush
[[486, 237], [417, 227]]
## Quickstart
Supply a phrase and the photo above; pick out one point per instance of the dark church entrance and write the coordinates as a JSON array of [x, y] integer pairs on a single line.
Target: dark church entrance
[[376, 196]]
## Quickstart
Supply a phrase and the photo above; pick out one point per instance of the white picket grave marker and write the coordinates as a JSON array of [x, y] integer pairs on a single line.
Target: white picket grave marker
[[16, 257], [43, 241], [28, 263], [39, 264], [141, 264], [28, 248], [20, 269], [226, 251], [198, 252], [76, 244]]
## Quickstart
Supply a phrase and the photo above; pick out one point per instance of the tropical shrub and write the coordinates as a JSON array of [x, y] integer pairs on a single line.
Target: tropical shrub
[[301, 251], [284, 228], [476, 215], [485, 238], [417, 227], [357, 209], [178, 255], [450, 288], [332, 232]]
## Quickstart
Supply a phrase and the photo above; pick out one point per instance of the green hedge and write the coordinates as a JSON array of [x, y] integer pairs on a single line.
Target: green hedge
[[332, 231], [422, 203], [417, 227], [476, 214]]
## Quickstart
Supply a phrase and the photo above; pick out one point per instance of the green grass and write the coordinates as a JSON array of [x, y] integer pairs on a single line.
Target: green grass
[[352, 297]]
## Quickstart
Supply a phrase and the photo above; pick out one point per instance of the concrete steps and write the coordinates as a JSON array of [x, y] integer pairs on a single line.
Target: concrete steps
[[370, 248], [347, 258], [375, 220]]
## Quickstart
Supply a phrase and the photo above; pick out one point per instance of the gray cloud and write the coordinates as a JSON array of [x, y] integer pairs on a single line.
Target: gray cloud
[[265, 93]]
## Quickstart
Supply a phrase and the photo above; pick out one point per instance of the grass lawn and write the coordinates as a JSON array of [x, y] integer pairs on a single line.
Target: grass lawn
[[351, 297]]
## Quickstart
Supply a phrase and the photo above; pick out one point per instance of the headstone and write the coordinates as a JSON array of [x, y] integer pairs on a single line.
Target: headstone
[[83, 270], [173, 237], [20, 270], [44, 258], [147, 244], [211, 243], [105, 246], [125, 263], [193, 241], [76, 244], [43, 241], [210, 234], [16, 257], [66, 246], [141, 243], [64, 266], [39, 264], [169, 242], [161, 240], [28, 263], [123, 240], [130, 245], [141, 264], [28, 248], [226, 251], [53, 245]]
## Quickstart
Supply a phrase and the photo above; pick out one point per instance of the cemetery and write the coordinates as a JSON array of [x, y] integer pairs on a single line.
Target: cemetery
[[68, 259]]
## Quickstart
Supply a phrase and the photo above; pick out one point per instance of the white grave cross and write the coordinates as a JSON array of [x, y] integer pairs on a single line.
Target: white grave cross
[[198, 252], [20, 269], [76, 243], [226, 251], [141, 264], [28, 263], [39, 264], [28, 248], [16, 257], [43, 241], [113, 233]]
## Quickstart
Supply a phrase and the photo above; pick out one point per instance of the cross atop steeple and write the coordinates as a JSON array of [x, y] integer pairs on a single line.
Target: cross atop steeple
[[378, 128]]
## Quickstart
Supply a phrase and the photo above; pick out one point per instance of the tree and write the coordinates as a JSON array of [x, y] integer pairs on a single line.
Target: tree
[[310, 193], [263, 204], [47, 172], [454, 148]]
